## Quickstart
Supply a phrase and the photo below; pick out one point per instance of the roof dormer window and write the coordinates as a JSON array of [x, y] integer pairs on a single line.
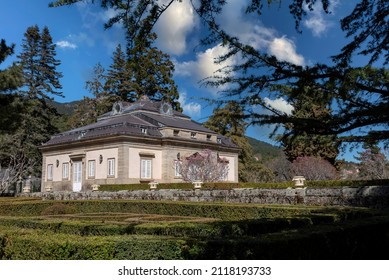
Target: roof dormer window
[[117, 108], [166, 109]]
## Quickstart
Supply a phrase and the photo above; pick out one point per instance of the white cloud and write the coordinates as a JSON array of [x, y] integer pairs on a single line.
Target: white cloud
[[174, 26], [316, 21], [279, 104], [192, 109], [66, 45], [284, 49], [204, 66], [238, 24], [316, 24]]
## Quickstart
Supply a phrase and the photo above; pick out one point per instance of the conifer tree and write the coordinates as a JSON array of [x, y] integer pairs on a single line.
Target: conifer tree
[[90, 108], [309, 102], [119, 77], [41, 79], [11, 77], [143, 70], [152, 71], [40, 85], [257, 72]]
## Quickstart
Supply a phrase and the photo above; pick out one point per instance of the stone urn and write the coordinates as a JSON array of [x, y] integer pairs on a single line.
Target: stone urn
[[298, 181], [153, 185], [197, 184]]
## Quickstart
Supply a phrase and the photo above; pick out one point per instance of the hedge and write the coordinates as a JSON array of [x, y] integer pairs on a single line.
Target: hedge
[[176, 229], [363, 239], [223, 211], [19, 244], [222, 186]]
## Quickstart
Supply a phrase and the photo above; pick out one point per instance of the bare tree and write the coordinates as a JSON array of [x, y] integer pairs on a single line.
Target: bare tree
[[17, 167], [205, 166], [373, 165], [314, 168], [281, 168]]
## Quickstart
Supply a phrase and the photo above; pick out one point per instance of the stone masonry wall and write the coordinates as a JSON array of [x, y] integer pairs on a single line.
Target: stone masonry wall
[[372, 196]]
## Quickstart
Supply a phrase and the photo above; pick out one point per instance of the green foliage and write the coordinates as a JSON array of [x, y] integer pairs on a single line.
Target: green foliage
[[229, 121], [226, 186], [58, 209], [89, 109], [11, 77], [34, 118], [255, 172], [257, 73], [110, 230], [264, 151], [309, 101], [142, 71]]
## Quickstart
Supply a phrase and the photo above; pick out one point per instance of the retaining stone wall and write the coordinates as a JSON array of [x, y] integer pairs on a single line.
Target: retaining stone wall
[[372, 196]]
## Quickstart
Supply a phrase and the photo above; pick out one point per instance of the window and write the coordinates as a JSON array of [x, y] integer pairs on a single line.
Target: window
[[91, 168], [219, 140], [176, 132], [144, 130], [209, 137], [111, 167], [177, 168], [193, 135], [50, 172], [65, 170], [145, 168]]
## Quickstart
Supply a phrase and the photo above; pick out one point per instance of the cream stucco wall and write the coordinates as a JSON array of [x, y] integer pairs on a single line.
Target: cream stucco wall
[[232, 166], [57, 171], [127, 157], [101, 171], [135, 155]]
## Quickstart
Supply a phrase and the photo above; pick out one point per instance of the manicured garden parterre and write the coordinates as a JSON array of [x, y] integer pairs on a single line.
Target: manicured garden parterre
[[121, 229]]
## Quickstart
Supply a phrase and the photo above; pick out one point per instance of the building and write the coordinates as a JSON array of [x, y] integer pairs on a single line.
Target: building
[[135, 142]]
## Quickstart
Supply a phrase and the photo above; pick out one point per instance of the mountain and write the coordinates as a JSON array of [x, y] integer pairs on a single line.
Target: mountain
[[264, 151], [66, 108]]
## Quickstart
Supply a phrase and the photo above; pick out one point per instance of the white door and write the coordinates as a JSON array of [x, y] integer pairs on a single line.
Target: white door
[[77, 176]]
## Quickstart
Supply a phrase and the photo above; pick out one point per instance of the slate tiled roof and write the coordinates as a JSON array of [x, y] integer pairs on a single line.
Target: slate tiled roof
[[142, 118], [174, 122]]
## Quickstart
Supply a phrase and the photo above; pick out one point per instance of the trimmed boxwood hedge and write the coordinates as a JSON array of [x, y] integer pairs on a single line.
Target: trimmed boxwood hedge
[[223, 211], [183, 229], [362, 239], [221, 186], [51, 230]]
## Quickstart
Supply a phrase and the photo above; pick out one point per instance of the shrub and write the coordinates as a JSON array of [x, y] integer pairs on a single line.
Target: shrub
[[59, 209]]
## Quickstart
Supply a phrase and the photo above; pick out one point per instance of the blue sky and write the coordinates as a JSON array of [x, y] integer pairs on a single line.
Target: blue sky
[[82, 42]]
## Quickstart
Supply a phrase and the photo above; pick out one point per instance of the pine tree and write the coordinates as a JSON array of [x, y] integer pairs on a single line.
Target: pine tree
[[153, 71], [48, 66], [229, 121], [40, 84], [41, 79], [11, 77], [90, 108], [309, 102], [119, 77], [143, 70]]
